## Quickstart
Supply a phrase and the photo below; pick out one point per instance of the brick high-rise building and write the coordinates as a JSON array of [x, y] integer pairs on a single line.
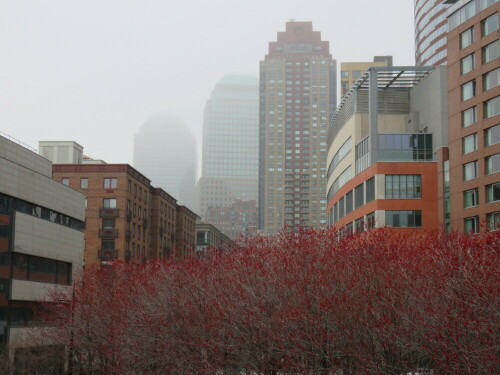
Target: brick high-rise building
[[473, 168], [127, 218], [297, 96]]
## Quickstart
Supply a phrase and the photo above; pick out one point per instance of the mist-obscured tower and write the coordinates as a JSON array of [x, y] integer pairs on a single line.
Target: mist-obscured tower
[[297, 96], [230, 144], [165, 152]]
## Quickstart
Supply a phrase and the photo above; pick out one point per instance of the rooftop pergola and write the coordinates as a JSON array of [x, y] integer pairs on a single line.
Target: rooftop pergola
[[387, 77]]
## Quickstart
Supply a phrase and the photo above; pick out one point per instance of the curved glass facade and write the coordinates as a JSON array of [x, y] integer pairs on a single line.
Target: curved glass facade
[[431, 27]]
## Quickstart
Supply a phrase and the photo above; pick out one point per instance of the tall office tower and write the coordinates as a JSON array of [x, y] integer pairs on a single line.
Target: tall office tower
[[431, 27], [297, 96], [350, 72], [474, 115], [230, 155], [165, 151]]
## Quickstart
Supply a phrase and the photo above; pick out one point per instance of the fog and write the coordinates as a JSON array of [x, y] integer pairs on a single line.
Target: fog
[[94, 71]]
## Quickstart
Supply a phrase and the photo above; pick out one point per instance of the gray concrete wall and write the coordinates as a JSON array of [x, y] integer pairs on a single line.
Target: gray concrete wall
[[429, 107], [34, 185], [39, 237], [23, 290]]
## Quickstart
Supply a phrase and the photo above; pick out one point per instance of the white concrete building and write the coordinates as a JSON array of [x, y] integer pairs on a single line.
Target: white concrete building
[[41, 241]]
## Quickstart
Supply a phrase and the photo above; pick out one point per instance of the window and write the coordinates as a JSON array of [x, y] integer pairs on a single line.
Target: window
[[403, 219], [65, 181], [469, 143], [108, 223], [84, 183], [493, 221], [109, 202], [492, 135], [487, 3], [348, 202], [403, 187], [110, 183], [493, 192], [471, 198], [340, 155], [492, 107], [467, 64], [405, 147], [370, 189], [359, 195], [489, 24], [370, 220], [491, 52], [107, 244], [468, 90], [469, 117], [470, 171], [356, 73], [493, 164], [344, 74], [341, 208], [491, 79], [466, 38], [471, 225]]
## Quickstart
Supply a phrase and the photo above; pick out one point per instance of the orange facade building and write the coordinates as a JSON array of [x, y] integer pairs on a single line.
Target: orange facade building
[[383, 142]]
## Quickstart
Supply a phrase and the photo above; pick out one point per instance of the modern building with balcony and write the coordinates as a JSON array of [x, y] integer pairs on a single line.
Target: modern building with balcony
[[383, 145], [208, 236], [41, 249], [474, 115]]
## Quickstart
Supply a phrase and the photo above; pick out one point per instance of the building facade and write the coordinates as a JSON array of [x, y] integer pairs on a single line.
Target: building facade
[[350, 72], [383, 144], [126, 218], [297, 96], [208, 236], [41, 245], [165, 151], [431, 27], [237, 220], [230, 153], [473, 165]]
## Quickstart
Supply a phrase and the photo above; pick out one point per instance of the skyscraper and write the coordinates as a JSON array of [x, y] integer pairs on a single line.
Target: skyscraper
[[297, 96], [431, 27], [165, 151], [230, 151]]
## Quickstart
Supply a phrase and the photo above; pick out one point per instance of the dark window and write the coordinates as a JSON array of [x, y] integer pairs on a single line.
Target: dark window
[[42, 269], [370, 220], [348, 202], [20, 266], [403, 219], [108, 244], [108, 223], [359, 195], [4, 231], [403, 187], [370, 189], [493, 192], [341, 208]]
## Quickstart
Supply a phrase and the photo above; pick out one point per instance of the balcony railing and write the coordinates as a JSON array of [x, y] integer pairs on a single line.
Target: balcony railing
[[109, 212], [108, 233], [108, 254]]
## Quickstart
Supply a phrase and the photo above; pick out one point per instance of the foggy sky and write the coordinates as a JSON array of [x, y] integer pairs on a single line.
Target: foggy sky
[[94, 71]]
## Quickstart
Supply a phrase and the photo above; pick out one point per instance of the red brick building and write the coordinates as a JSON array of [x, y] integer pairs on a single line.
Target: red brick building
[[126, 218]]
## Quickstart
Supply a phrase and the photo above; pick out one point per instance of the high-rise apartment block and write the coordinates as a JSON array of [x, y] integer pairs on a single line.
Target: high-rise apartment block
[[230, 146], [473, 163], [383, 141], [165, 151], [350, 72], [297, 96], [126, 218], [41, 249], [238, 219], [431, 27]]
